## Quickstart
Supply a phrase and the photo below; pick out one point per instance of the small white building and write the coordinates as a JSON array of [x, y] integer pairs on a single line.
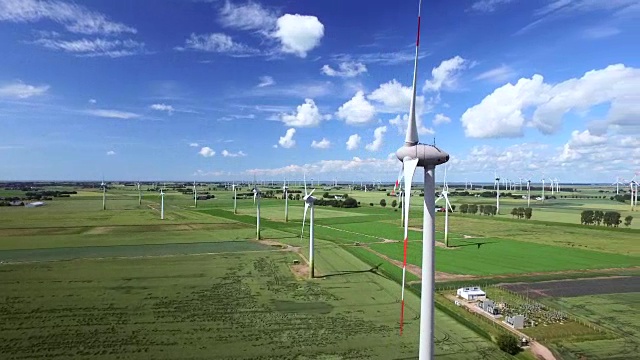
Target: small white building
[[35, 204], [472, 293]]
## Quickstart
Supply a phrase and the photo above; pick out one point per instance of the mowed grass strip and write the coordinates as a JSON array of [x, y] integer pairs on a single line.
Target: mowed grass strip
[[497, 256]]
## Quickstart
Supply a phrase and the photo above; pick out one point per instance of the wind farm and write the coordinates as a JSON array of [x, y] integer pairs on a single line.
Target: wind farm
[[391, 246]]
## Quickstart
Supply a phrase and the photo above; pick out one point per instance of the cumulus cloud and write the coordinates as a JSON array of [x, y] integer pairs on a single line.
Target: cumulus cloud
[[266, 81], [194, 144], [395, 98], [357, 111], [110, 153], [378, 139], [287, 141], [441, 119], [21, 90], [501, 114], [113, 114], [298, 34], [207, 152], [345, 69], [322, 144], [402, 122], [226, 153], [93, 101], [445, 76], [386, 166], [217, 43], [306, 115], [353, 142], [163, 107], [585, 138]]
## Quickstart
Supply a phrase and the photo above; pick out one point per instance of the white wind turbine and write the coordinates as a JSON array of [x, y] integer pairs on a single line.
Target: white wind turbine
[[617, 183], [551, 187], [195, 194], [400, 194], [543, 188], [139, 195], [256, 201], [285, 193], [235, 198], [412, 155], [528, 193], [445, 195], [162, 203], [309, 201], [497, 192], [104, 194], [557, 185]]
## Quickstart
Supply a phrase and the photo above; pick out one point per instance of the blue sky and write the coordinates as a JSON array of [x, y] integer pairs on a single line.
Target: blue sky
[[220, 90]]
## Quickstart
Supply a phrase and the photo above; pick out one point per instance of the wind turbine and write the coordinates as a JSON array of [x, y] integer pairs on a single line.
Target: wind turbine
[[162, 203], [285, 193], [400, 194], [235, 198], [543, 188], [139, 195], [557, 185], [551, 187], [256, 195], [195, 194], [445, 195], [412, 155], [104, 194], [528, 193], [309, 200], [617, 184], [497, 192]]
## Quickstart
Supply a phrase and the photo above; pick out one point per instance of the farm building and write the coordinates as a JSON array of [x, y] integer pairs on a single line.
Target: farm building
[[517, 322], [489, 306], [472, 293]]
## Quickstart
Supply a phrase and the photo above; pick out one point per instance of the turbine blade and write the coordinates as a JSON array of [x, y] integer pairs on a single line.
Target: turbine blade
[[409, 168], [412, 128], [400, 176], [311, 192]]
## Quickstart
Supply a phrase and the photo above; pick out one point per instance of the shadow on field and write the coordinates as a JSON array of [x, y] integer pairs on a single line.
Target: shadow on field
[[473, 243], [373, 270]]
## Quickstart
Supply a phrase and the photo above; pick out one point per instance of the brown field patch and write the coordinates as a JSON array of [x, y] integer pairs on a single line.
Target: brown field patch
[[577, 287]]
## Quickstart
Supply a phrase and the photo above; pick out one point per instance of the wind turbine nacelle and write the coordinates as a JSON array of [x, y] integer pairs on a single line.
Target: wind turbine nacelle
[[427, 155]]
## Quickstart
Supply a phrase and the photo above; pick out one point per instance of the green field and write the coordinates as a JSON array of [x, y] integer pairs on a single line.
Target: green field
[[618, 313]]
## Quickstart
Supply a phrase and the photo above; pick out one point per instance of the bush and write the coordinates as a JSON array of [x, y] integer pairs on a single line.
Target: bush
[[627, 220], [350, 203], [370, 204], [383, 203], [508, 344], [394, 203]]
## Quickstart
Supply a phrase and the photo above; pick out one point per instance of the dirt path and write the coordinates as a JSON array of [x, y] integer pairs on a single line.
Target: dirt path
[[539, 350]]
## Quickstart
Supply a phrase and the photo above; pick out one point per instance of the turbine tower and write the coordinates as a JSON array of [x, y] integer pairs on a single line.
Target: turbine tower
[[195, 194], [285, 193], [256, 197], [309, 200], [497, 193], [235, 199], [162, 204], [104, 194], [529, 193], [543, 189], [139, 195], [412, 155]]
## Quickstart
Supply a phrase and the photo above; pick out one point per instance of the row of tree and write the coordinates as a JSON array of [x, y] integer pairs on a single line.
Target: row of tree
[[609, 218], [481, 209], [522, 213]]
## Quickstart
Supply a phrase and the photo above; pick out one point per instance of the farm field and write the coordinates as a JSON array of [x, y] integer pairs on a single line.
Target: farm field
[[241, 305]]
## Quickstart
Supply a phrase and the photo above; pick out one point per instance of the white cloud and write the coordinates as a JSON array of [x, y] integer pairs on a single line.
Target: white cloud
[[306, 115], [298, 34], [401, 123], [445, 76], [21, 90], [203, 173], [163, 107], [287, 141], [357, 111], [322, 144], [194, 145], [376, 166], [94, 47], [601, 32], [217, 43], [345, 69], [266, 81], [488, 5], [248, 16], [113, 114], [501, 114], [111, 152], [226, 153], [383, 58], [353, 142], [500, 74], [206, 152], [441, 119], [75, 18], [395, 97], [585, 138], [310, 89], [378, 139], [93, 101]]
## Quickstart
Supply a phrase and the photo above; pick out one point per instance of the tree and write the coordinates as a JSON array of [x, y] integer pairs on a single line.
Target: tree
[[370, 204], [473, 209], [453, 207], [350, 203], [325, 195], [383, 203], [508, 344], [586, 217], [394, 203], [464, 208], [297, 196], [514, 212], [527, 213], [598, 216], [481, 209], [627, 220]]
